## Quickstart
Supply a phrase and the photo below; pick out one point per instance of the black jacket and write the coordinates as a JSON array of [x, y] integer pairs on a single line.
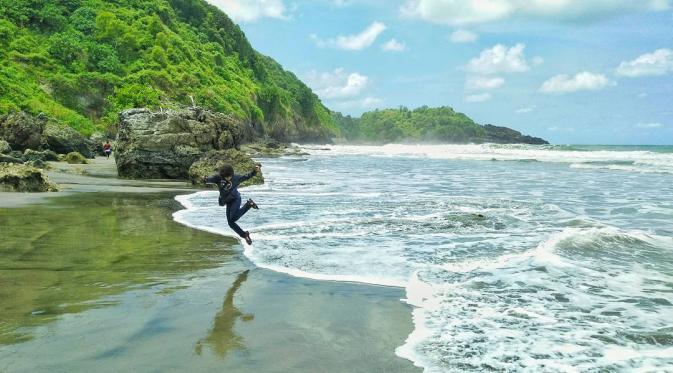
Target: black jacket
[[229, 189]]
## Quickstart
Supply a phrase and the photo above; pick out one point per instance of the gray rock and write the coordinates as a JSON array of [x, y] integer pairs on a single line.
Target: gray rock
[[165, 144], [23, 131], [63, 139], [23, 178], [45, 155], [9, 159], [4, 147]]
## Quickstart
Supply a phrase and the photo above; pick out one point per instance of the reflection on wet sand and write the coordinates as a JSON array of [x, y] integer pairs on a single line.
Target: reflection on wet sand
[[222, 338], [68, 255]]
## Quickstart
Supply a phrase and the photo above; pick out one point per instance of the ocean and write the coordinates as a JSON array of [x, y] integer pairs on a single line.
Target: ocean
[[514, 257]]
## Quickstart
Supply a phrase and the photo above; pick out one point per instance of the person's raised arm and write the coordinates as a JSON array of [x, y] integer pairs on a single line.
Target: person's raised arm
[[214, 179], [249, 175]]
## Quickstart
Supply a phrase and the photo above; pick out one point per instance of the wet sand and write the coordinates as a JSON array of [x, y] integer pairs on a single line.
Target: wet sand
[[105, 281]]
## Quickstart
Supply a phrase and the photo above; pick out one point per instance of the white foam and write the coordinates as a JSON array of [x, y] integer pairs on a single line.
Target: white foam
[[639, 161], [447, 258]]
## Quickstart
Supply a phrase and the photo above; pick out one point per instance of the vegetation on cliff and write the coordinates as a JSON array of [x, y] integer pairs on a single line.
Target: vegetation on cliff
[[83, 61], [424, 124]]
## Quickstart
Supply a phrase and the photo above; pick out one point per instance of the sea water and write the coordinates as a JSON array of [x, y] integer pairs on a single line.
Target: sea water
[[540, 258]]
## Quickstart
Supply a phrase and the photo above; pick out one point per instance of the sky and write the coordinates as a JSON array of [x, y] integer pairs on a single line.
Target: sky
[[569, 71]]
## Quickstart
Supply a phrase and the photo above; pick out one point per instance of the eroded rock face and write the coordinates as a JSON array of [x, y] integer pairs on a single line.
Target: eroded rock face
[[4, 147], [63, 140], [23, 131], [165, 144], [24, 178]]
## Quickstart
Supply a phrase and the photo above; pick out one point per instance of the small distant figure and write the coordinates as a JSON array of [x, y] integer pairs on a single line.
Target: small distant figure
[[227, 182], [107, 149]]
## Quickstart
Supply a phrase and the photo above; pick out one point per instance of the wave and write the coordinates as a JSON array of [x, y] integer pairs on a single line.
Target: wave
[[530, 302], [638, 160]]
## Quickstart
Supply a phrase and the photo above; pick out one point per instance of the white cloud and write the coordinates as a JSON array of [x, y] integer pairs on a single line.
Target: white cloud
[[579, 82], [537, 60], [552, 128], [251, 10], [352, 42], [393, 45], [648, 125], [659, 62], [461, 12], [499, 59], [483, 82], [481, 97], [337, 83], [368, 102], [463, 36], [525, 109], [642, 95]]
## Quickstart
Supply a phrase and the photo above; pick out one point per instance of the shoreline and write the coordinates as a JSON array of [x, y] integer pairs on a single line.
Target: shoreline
[[283, 309]]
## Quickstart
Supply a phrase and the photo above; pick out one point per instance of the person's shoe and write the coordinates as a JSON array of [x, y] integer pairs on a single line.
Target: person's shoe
[[252, 204], [248, 240]]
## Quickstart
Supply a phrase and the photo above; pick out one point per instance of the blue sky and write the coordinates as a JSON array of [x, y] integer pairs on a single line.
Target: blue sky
[[570, 71]]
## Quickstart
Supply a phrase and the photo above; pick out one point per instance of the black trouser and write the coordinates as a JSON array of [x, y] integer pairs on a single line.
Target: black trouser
[[234, 212]]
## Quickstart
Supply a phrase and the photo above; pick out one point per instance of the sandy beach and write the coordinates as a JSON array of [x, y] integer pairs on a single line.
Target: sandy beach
[[99, 278]]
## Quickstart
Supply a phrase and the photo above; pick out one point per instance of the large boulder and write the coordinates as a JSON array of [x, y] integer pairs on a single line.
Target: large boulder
[[64, 139], [210, 163], [75, 158], [24, 178], [45, 155], [4, 147], [23, 131], [165, 144]]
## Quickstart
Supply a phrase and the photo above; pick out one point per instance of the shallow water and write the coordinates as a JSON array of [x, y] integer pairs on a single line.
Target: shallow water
[[515, 257], [108, 282]]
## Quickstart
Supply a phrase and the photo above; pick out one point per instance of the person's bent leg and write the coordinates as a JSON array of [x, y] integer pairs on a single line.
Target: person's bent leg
[[232, 211], [237, 210]]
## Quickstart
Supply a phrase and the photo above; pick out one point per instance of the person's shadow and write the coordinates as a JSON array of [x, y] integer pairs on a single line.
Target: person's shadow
[[222, 338]]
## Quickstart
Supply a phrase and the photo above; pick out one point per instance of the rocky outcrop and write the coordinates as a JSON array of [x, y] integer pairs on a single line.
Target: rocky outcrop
[[23, 131], [10, 159], [214, 159], [165, 144], [45, 155], [504, 135], [75, 158], [24, 178], [4, 147], [63, 139], [272, 149]]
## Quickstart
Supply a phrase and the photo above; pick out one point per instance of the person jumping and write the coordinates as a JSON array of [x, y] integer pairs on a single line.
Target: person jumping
[[228, 182]]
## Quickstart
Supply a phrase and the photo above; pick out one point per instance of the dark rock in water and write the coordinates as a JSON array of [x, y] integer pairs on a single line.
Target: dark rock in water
[[63, 139], [504, 135], [213, 160], [23, 131], [24, 178], [9, 159], [4, 147], [45, 155], [75, 158], [165, 144]]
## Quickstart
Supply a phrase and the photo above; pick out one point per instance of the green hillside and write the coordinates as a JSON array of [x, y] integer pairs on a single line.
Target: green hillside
[[82, 61], [425, 125]]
